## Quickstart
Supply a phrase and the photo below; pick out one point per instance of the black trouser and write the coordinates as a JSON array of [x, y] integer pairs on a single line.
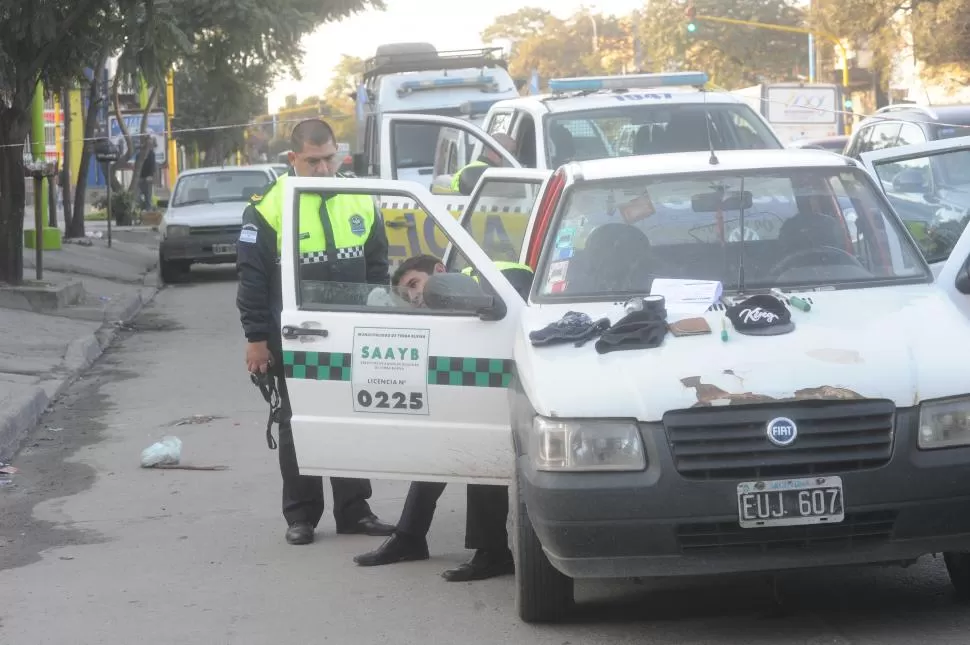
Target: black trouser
[[485, 516], [303, 494]]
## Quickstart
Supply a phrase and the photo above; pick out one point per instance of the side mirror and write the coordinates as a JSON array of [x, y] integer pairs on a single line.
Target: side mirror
[[458, 292], [360, 164], [910, 180], [962, 281]]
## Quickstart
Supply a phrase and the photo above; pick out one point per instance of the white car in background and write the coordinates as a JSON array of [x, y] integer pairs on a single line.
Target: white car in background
[[204, 216]]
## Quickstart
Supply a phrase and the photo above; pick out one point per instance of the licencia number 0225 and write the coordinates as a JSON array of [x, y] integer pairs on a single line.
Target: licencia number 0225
[[390, 401]]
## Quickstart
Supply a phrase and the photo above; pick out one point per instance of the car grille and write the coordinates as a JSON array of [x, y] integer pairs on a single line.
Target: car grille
[[858, 530], [216, 230], [732, 443]]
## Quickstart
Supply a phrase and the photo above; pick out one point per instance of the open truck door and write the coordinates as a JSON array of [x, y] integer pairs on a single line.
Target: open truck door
[[928, 185], [382, 388], [498, 213]]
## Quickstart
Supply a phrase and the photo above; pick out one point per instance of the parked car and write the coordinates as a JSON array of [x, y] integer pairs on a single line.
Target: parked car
[[204, 216], [917, 156]]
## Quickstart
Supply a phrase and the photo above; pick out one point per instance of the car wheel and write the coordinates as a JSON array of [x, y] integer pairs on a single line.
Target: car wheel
[[173, 271], [542, 593], [958, 567]]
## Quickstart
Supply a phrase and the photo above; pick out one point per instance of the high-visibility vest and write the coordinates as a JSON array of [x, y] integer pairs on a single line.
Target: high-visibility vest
[[456, 179], [520, 282], [351, 218]]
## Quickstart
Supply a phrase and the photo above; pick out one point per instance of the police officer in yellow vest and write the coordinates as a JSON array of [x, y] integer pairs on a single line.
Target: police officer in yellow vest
[[342, 239], [463, 182], [487, 507]]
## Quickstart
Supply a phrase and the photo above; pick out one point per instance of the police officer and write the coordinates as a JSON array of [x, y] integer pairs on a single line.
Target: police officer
[[259, 299], [487, 506], [463, 182]]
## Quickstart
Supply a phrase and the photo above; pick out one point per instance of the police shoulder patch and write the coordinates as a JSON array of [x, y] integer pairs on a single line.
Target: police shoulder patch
[[248, 234], [357, 226]]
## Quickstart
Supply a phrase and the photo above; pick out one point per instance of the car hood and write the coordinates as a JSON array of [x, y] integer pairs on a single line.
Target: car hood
[[897, 343], [220, 214]]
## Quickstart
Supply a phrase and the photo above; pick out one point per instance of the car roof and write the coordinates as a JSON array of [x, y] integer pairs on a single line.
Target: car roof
[[699, 162], [951, 114], [558, 103], [208, 170]]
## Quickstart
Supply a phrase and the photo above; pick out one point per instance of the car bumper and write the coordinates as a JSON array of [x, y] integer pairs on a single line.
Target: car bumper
[[202, 249], [660, 523]]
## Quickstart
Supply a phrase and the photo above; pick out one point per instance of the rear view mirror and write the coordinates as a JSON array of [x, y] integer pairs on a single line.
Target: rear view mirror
[[962, 281], [911, 180], [458, 292], [713, 202]]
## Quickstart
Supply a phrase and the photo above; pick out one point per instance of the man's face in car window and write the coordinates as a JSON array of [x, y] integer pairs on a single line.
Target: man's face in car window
[[412, 284], [316, 160]]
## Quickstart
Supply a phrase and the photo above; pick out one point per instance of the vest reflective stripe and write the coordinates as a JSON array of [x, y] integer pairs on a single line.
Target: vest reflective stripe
[[456, 179], [351, 218]]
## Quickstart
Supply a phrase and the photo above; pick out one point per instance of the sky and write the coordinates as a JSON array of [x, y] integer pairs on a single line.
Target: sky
[[447, 24]]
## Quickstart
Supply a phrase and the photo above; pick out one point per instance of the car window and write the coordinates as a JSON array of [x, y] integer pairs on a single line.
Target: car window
[[927, 191], [498, 217], [613, 237], [218, 187], [501, 122], [910, 134], [884, 135], [578, 136]]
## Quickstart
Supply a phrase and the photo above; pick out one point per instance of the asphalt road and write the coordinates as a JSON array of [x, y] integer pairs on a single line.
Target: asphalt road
[[94, 549]]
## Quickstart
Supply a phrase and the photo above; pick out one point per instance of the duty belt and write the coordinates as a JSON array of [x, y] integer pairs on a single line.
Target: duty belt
[[266, 383]]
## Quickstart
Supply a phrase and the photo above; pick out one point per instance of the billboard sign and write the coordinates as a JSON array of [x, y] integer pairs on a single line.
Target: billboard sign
[[156, 128]]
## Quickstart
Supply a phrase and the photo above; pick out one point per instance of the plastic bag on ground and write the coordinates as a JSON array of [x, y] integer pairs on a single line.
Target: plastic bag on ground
[[166, 452]]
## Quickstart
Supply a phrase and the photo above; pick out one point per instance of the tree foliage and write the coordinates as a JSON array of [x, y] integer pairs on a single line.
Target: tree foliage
[[732, 55], [338, 98]]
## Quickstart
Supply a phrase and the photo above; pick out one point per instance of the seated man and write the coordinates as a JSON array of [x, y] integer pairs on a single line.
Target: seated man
[[487, 507]]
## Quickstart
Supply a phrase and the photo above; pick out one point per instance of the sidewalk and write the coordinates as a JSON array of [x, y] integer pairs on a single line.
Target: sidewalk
[[56, 328]]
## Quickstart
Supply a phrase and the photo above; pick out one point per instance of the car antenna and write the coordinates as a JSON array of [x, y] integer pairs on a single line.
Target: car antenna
[[741, 253], [710, 137]]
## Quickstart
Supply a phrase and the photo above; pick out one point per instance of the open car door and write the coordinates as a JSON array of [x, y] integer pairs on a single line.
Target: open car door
[[498, 212], [928, 185], [382, 387]]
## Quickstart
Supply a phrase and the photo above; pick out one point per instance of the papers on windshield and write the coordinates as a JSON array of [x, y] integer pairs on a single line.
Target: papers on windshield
[[687, 297]]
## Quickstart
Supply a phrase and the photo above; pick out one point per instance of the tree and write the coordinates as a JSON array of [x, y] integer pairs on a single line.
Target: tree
[[39, 41], [732, 55], [339, 98]]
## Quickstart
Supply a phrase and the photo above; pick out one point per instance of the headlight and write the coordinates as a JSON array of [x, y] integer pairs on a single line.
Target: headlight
[[176, 231], [586, 445], [944, 424]]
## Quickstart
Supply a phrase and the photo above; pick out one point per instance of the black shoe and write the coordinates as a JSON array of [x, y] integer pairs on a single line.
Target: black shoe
[[299, 533], [397, 548], [484, 565], [369, 525]]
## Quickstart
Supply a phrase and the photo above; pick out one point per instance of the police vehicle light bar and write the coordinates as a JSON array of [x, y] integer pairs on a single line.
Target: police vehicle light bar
[[448, 82], [627, 82]]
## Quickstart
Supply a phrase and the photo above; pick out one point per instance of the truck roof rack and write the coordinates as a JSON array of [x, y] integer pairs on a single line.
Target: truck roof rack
[[907, 107], [428, 61]]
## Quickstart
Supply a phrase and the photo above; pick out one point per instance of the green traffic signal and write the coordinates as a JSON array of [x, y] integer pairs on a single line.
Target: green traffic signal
[[691, 27]]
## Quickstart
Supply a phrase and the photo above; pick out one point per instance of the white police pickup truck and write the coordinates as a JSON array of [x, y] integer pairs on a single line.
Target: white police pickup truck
[[710, 429], [581, 119]]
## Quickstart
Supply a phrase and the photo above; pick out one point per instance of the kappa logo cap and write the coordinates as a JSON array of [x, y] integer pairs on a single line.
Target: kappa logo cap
[[761, 315]]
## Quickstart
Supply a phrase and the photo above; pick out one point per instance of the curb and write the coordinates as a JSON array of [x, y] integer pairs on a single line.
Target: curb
[[25, 411]]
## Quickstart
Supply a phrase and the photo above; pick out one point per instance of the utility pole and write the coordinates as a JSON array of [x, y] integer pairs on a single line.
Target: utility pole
[[172, 161]]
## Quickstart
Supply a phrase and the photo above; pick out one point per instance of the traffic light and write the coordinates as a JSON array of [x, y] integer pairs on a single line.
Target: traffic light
[[691, 13], [848, 104]]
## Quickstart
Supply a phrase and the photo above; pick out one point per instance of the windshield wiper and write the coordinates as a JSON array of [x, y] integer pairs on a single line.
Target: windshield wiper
[[193, 202]]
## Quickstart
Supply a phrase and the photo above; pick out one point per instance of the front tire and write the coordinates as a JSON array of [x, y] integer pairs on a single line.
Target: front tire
[[542, 593], [958, 568], [173, 271]]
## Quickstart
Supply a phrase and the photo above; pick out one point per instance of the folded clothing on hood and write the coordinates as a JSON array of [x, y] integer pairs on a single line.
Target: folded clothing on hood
[[574, 326], [643, 329]]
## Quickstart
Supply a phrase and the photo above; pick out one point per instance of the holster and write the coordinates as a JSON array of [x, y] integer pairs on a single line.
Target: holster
[[267, 387]]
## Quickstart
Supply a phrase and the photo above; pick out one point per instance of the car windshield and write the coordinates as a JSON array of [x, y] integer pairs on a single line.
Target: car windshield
[[219, 187], [632, 129], [802, 227]]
